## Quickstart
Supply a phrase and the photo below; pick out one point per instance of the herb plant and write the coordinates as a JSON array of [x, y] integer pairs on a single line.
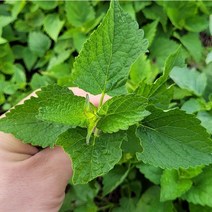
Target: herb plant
[[136, 126]]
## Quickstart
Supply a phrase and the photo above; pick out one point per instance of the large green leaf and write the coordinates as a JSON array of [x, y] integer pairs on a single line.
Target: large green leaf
[[93, 160], [112, 48], [23, 124], [121, 112], [65, 108], [174, 139]]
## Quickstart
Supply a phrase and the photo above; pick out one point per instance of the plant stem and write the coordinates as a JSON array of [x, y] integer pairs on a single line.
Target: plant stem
[[101, 100], [94, 129]]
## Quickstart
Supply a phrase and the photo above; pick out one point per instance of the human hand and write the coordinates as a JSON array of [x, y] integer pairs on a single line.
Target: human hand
[[33, 180]]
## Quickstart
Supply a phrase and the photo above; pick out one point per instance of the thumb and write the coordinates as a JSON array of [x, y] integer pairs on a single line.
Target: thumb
[[54, 161], [12, 149]]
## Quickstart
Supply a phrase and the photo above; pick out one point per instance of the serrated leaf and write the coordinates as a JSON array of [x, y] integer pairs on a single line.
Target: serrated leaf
[[38, 81], [19, 77], [150, 31], [206, 120], [174, 59], [164, 43], [201, 191], [79, 12], [172, 186], [142, 71], [29, 58], [174, 139], [190, 173], [93, 160], [39, 43], [160, 97], [189, 79], [197, 23], [53, 25], [114, 178], [195, 47], [65, 108], [193, 105], [155, 12], [33, 19], [150, 172], [121, 112], [23, 124], [112, 48], [179, 12], [158, 93]]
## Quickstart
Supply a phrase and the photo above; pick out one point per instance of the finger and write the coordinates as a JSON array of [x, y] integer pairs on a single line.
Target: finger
[[12, 149], [93, 98], [56, 163], [22, 151]]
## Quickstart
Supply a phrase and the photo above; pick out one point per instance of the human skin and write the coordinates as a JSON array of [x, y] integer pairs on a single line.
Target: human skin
[[33, 180]]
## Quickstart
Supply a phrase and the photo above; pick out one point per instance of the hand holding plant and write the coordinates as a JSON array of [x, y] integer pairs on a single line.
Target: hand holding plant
[[34, 180]]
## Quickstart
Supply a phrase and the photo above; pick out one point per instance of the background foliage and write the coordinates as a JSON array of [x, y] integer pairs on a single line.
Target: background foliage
[[39, 41]]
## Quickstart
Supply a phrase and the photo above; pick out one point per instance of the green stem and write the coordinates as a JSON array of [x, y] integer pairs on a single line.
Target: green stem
[[101, 100], [93, 129]]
